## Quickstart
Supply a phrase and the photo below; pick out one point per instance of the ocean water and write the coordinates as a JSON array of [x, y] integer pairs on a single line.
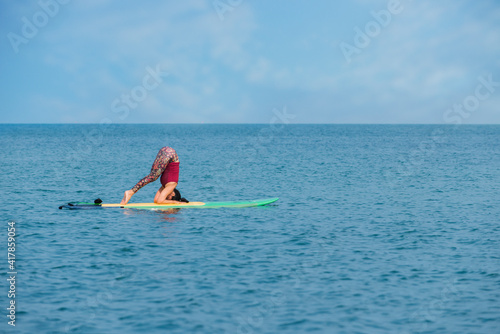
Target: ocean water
[[379, 229]]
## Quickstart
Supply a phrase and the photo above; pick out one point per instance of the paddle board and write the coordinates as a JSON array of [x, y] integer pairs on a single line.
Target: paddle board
[[154, 206]]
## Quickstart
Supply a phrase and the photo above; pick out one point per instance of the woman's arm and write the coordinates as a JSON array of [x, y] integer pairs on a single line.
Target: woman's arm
[[167, 201], [167, 190]]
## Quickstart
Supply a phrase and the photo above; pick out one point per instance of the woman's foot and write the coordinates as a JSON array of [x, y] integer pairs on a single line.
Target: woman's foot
[[126, 197]]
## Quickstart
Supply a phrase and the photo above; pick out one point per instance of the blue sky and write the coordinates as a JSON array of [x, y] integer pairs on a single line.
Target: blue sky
[[235, 61]]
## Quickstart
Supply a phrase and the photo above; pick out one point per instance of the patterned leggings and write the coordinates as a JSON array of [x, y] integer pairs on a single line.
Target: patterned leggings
[[165, 156]]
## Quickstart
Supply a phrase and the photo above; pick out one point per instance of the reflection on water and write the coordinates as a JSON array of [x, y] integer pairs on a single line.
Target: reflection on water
[[164, 215]]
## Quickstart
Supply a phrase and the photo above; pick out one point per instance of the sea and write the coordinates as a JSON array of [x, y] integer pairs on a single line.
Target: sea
[[378, 229]]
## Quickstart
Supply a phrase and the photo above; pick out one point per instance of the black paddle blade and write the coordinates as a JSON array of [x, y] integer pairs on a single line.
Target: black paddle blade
[[81, 206]]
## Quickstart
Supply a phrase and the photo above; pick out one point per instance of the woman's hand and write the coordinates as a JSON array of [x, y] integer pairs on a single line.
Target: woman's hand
[[126, 197]]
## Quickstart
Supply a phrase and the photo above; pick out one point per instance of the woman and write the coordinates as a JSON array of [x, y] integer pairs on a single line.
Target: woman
[[166, 164]]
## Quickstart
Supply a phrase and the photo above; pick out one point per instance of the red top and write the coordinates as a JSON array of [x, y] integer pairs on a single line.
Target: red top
[[170, 174]]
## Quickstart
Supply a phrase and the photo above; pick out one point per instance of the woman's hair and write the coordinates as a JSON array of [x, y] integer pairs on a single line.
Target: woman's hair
[[178, 197]]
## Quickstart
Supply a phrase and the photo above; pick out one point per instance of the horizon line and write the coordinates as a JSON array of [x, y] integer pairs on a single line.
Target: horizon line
[[205, 123]]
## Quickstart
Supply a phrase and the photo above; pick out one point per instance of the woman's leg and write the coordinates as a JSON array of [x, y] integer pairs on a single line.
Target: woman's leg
[[164, 156]]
